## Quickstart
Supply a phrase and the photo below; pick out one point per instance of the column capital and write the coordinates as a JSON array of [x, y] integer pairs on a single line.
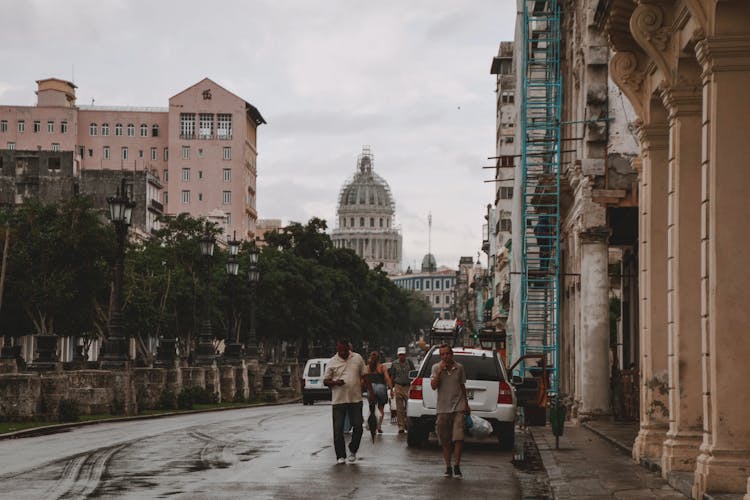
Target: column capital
[[595, 235], [683, 100], [723, 53], [653, 136]]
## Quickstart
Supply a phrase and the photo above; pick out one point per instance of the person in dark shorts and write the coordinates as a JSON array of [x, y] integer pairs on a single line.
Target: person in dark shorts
[[449, 380]]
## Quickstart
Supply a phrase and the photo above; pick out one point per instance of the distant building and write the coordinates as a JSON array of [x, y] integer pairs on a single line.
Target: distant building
[[437, 286], [202, 149], [264, 227], [366, 217]]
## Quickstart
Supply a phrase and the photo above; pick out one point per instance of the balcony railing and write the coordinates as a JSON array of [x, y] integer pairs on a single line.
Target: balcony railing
[[157, 205], [187, 136]]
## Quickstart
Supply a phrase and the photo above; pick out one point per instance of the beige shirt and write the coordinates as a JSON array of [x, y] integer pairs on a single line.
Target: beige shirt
[[350, 370], [450, 397]]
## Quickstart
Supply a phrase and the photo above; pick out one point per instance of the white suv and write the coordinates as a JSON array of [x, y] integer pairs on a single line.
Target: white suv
[[490, 394]]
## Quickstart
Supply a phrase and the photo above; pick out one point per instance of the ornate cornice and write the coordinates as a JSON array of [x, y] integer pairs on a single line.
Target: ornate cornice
[[649, 30], [613, 18], [595, 235], [623, 68], [682, 100]]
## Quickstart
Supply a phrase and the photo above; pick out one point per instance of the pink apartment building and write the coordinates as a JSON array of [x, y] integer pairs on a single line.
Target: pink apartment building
[[203, 147]]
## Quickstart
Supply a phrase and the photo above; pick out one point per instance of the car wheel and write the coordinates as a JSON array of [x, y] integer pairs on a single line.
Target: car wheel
[[417, 434], [506, 435]]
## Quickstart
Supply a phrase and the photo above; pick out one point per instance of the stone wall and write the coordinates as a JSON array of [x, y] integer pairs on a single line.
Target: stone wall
[[37, 396]]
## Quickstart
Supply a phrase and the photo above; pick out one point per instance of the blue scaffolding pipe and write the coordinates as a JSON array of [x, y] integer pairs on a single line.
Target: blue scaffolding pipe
[[540, 169]]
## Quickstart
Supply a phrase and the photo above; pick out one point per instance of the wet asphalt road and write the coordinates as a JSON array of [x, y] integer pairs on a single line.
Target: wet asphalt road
[[265, 452]]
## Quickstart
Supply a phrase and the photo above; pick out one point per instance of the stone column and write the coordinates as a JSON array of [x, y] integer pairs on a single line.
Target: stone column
[[653, 293], [722, 465], [683, 280], [594, 362]]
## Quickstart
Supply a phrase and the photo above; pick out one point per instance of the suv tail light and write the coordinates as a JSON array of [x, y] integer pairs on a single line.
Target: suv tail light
[[505, 394], [415, 391]]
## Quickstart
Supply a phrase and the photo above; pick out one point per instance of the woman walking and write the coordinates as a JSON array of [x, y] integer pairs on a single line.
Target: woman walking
[[381, 382]]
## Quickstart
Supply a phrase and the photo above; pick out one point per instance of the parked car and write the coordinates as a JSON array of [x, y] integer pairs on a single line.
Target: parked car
[[490, 394], [312, 381]]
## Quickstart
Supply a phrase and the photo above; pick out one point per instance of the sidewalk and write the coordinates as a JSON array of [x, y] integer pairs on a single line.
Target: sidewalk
[[590, 466]]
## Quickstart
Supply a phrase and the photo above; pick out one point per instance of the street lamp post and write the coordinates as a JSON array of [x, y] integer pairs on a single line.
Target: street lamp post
[[251, 348], [205, 353], [233, 350], [115, 350]]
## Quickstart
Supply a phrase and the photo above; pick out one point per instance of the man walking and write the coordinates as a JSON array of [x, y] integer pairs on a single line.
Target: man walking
[[345, 376], [449, 380], [399, 373]]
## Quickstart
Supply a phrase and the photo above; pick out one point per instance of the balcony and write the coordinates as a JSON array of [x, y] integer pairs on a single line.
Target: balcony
[[187, 136], [157, 206]]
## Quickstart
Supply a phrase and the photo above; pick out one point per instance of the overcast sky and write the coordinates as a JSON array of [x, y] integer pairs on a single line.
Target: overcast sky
[[410, 78]]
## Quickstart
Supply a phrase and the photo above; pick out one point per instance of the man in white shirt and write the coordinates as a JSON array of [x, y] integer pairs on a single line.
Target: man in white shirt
[[345, 376]]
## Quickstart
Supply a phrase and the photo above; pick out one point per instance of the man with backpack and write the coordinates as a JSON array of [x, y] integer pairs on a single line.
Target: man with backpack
[[399, 372]]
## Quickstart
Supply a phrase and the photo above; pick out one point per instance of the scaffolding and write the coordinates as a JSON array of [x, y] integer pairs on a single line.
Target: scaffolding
[[540, 170]]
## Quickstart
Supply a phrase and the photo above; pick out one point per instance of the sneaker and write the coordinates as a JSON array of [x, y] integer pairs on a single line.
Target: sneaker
[[401, 431], [448, 472], [457, 472], [352, 458], [380, 431], [341, 460]]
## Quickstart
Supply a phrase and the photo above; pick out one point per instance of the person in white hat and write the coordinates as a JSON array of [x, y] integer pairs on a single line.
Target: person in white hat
[[399, 372]]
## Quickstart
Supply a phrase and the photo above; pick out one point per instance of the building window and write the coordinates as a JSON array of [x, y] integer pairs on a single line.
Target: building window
[[447, 299], [50, 126], [200, 174], [417, 285], [21, 126], [185, 174], [437, 299], [124, 153], [505, 225], [140, 153], [37, 126], [105, 129], [153, 154], [227, 197], [224, 126], [372, 221], [426, 284], [118, 129], [64, 127], [166, 154], [229, 218], [506, 193], [187, 125], [106, 152], [11, 145], [3, 125], [437, 284], [200, 196], [227, 174], [227, 153], [447, 284], [165, 198], [81, 151], [506, 161], [206, 125], [155, 130], [381, 222], [144, 130], [361, 222], [91, 153], [131, 130], [185, 152], [165, 175], [185, 197], [351, 221], [56, 146], [92, 129]]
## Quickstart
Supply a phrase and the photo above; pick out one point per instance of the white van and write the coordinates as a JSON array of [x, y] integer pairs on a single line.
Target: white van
[[312, 381]]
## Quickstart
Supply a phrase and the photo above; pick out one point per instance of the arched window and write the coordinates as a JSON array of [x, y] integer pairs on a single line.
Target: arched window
[[144, 130], [155, 130], [131, 130], [105, 128], [92, 129], [118, 129]]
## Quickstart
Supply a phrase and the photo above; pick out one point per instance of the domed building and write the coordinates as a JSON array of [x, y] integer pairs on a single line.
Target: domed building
[[365, 217]]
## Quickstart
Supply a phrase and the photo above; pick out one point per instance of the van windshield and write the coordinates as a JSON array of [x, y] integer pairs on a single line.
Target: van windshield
[[314, 370], [476, 367]]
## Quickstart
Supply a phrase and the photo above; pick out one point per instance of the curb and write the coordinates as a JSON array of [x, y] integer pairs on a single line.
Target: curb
[[625, 447], [55, 428]]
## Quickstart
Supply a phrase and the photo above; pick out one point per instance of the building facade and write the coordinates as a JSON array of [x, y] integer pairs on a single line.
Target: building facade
[[437, 286], [366, 218], [202, 149]]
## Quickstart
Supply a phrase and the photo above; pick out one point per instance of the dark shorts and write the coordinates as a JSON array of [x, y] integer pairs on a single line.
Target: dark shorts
[[449, 427]]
